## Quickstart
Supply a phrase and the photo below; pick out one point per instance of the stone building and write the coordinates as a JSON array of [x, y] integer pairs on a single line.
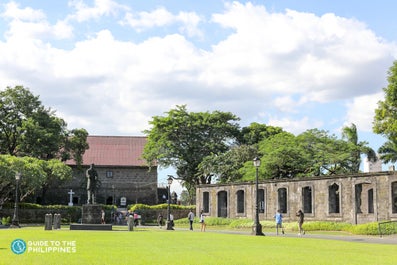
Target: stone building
[[123, 175], [361, 198]]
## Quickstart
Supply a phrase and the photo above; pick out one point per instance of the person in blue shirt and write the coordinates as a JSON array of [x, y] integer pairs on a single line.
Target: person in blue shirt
[[279, 222]]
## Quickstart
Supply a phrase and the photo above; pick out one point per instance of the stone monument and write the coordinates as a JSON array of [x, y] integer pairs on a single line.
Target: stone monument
[[91, 212]]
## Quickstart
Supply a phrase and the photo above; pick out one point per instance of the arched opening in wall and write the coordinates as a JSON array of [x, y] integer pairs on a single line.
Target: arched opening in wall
[[109, 200], [307, 199], [371, 201], [240, 201], [222, 204], [261, 199], [282, 200], [358, 188], [333, 199], [206, 202], [394, 196]]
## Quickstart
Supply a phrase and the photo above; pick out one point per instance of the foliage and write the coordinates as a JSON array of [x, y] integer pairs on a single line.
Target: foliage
[[312, 153], [27, 128], [6, 220], [388, 151], [349, 133], [34, 174], [182, 139], [139, 206], [226, 167], [385, 120], [256, 132]]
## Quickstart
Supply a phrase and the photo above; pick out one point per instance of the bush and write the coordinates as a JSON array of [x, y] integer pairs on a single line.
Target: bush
[[6, 220]]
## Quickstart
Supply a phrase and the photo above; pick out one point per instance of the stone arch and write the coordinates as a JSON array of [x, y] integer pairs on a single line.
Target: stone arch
[[282, 200], [240, 202], [307, 199], [334, 198], [222, 203], [394, 196]]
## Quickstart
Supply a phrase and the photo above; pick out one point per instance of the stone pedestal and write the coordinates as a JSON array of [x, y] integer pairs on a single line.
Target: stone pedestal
[[91, 214]]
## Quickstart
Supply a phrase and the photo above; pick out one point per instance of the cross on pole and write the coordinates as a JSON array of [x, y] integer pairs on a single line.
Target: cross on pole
[[70, 197]]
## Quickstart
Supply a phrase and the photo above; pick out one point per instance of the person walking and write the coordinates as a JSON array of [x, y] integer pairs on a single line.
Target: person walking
[[202, 221], [160, 220], [301, 217], [190, 217], [279, 222], [102, 216]]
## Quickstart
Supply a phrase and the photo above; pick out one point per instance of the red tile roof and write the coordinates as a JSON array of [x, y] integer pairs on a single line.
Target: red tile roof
[[114, 151]]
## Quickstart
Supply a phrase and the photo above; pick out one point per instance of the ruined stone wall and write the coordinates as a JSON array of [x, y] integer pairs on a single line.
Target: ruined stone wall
[[353, 208]]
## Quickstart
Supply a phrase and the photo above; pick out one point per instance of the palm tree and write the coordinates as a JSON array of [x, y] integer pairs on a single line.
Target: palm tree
[[388, 151], [350, 134]]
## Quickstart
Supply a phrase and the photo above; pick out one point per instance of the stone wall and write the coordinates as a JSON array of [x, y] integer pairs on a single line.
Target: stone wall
[[136, 184], [354, 192]]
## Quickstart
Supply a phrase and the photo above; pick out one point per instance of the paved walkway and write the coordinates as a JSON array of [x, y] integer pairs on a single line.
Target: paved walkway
[[351, 238]]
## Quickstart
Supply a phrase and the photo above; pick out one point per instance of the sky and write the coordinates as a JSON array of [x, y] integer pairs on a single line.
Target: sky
[[109, 66]]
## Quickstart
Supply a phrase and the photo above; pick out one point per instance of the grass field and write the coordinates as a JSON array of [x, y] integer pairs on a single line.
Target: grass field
[[159, 246]]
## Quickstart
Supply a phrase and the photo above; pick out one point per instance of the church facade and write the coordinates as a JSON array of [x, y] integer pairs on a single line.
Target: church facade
[[356, 199], [123, 176]]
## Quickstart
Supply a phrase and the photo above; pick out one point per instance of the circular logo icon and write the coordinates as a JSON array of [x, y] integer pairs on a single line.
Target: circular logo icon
[[18, 246]]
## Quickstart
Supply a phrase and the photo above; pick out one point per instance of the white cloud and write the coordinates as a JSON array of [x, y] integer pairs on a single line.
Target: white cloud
[[361, 111], [271, 63], [161, 17], [295, 126], [12, 11], [100, 8]]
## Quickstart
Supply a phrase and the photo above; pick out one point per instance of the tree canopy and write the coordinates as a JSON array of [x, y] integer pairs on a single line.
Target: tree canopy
[[385, 120], [34, 141], [27, 128], [182, 139]]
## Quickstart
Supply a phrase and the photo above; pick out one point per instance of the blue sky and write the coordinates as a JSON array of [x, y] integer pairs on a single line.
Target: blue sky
[[108, 66]]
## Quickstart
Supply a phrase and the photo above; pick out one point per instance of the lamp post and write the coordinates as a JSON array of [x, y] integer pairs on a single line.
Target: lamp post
[[15, 219], [169, 223], [257, 226]]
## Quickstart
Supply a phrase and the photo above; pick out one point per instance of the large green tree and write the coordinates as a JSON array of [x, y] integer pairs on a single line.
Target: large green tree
[[312, 153], [385, 120], [27, 128], [182, 139], [35, 173]]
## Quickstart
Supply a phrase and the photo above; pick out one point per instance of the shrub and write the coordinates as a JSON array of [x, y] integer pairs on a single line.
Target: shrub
[[6, 220]]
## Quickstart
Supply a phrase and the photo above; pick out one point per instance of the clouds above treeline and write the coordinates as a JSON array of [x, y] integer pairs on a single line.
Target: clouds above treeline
[[109, 67]]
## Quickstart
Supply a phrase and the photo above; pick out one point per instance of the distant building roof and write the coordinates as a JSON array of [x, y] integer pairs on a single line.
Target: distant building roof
[[114, 151]]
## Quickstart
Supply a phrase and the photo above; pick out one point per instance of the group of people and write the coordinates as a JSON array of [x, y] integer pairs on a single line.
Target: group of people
[[190, 217], [279, 222]]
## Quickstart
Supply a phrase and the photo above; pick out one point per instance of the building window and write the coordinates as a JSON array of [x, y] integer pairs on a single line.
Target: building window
[[222, 204], [333, 198], [206, 202], [394, 197], [371, 201], [282, 200], [240, 201], [358, 188], [307, 199], [261, 198], [109, 174]]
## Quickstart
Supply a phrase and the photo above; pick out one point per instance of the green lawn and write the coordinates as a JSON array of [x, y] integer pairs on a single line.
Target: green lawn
[[159, 246]]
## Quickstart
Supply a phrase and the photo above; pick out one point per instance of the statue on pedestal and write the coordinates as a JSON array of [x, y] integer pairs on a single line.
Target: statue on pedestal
[[92, 179]]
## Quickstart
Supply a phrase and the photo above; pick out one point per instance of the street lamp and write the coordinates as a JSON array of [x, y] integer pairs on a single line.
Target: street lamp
[[169, 223], [15, 219], [257, 226]]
